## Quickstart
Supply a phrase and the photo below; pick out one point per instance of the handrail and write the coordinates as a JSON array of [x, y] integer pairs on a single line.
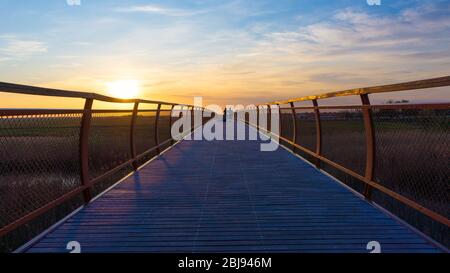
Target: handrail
[[42, 91], [405, 86]]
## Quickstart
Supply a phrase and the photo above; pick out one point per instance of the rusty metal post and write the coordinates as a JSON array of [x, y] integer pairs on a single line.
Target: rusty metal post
[[370, 143], [192, 119], [170, 125], [257, 117], [280, 123], [181, 114], [294, 126], [318, 132], [84, 149], [158, 114], [132, 132]]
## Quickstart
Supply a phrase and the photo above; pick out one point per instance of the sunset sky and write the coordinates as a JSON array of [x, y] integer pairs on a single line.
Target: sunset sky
[[229, 52]]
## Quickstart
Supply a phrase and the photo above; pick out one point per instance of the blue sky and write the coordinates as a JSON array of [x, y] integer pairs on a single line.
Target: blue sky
[[237, 51]]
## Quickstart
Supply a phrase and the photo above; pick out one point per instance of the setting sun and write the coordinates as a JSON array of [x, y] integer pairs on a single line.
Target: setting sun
[[124, 89]]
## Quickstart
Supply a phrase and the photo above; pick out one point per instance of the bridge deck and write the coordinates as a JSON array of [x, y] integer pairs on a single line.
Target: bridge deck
[[229, 197]]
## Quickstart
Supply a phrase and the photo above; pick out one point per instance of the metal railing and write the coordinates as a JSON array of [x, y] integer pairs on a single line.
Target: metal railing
[[50, 156], [376, 145]]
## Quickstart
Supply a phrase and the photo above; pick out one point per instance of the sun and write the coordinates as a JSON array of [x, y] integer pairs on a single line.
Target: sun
[[123, 89]]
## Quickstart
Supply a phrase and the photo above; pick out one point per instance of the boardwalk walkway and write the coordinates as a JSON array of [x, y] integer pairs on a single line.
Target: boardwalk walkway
[[229, 197]]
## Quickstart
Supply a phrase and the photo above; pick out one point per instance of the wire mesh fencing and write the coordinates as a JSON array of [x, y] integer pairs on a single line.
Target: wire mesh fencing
[[306, 129], [343, 142], [38, 161], [109, 142], [412, 154]]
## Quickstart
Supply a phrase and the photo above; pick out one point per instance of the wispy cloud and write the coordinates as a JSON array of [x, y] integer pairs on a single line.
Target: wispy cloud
[[12, 47], [160, 10], [236, 8], [356, 35]]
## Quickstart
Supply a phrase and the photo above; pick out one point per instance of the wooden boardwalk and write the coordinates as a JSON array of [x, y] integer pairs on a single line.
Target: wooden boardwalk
[[227, 196]]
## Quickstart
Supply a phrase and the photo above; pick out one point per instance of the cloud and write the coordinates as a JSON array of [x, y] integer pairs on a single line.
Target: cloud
[[160, 10], [236, 8], [359, 34], [338, 78], [12, 48]]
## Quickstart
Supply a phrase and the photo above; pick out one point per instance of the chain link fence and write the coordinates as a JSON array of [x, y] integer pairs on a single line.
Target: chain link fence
[[38, 162]]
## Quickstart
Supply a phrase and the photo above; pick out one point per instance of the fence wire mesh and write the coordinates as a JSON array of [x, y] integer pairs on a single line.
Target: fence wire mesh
[[306, 129], [412, 155], [286, 120], [164, 126], [343, 141], [144, 131], [109, 142], [38, 162]]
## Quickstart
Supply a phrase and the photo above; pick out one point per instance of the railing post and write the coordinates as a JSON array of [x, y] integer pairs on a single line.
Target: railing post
[[370, 143], [181, 115], [84, 150], [294, 126], [192, 119], [132, 132], [280, 125], [257, 117], [170, 125], [269, 118], [158, 114], [318, 132]]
